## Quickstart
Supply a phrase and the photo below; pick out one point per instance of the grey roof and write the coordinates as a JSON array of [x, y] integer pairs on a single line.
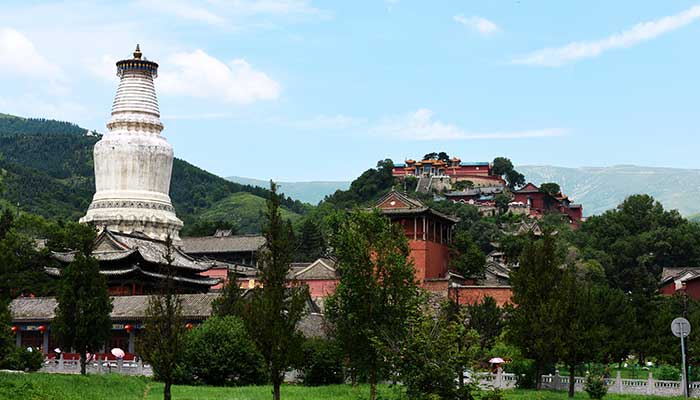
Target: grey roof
[[194, 306], [415, 206], [313, 325], [222, 244], [113, 246], [323, 268], [679, 273]]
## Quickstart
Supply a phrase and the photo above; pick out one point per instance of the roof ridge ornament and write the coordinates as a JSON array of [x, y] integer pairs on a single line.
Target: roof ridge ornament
[[137, 53]]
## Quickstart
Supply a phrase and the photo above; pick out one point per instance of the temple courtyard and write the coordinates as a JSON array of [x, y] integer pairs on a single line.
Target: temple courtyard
[[38, 386]]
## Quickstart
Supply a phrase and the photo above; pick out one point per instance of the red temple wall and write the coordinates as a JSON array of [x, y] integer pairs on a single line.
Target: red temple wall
[[475, 294], [429, 258], [321, 287]]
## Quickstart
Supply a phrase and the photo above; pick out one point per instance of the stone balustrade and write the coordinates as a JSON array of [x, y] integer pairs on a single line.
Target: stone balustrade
[[62, 366], [618, 385]]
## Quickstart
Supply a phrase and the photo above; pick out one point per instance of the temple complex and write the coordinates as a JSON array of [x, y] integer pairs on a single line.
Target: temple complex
[[453, 171]]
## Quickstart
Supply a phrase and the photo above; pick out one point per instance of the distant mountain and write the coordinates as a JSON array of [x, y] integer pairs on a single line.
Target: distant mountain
[[308, 192], [603, 188]]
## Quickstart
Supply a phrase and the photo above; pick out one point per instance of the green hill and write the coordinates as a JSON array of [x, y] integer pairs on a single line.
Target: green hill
[[46, 168], [242, 210]]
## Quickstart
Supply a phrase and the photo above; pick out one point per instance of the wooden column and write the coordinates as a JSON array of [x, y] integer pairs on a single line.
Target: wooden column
[[132, 337], [425, 229], [415, 228], [45, 344]]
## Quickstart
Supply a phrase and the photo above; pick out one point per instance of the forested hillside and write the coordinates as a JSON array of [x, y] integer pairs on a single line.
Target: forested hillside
[[46, 168]]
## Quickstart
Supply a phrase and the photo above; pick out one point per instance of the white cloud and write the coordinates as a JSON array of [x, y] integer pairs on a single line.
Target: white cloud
[[421, 125], [479, 24], [39, 107], [229, 13], [18, 56], [104, 67], [558, 56], [198, 74]]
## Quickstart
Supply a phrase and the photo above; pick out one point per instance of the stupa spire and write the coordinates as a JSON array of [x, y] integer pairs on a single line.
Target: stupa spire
[[133, 162]]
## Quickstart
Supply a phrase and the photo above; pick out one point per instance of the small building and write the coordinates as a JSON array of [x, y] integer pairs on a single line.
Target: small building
[[540, 203], [680, 279], [224, 246], [429, 233], [32, 318]]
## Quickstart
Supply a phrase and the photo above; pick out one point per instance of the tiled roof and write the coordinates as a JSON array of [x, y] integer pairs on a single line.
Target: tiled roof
[[323, 268], [113, 246], [194, 306], [415, 206], [223, 244]]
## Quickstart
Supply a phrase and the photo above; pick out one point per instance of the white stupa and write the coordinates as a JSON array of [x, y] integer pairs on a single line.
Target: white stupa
[[133, 162]]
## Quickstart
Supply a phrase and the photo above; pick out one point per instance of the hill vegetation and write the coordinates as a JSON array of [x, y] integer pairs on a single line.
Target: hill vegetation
[[46, 168]]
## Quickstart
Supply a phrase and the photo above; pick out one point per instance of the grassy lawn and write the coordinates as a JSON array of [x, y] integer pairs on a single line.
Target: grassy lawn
[[114, 387]]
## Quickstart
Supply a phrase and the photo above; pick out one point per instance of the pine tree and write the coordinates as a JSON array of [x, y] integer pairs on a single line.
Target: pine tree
[[377, 292], [276, 307], [230, 303], [164, 333], [533, 326], [6, 339], [312, 246], [82, 319]]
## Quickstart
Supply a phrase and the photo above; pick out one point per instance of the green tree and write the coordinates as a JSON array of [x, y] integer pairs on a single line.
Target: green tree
[[6, 222], [377, 292], [487, 319], [312, 245], [220, 352], [322, 362], [465, 256], [277, 307], [231, 302], [502, 166], [580, 329], [164, 331], [550, 188], [430, 360], [6, 339], [502, 200], [82, 319], [533, 324]]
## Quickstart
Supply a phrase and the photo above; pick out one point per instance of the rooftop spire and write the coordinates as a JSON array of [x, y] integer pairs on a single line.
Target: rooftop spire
[[137, 53]]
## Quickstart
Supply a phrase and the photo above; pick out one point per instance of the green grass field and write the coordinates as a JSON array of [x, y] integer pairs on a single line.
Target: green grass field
[[114, 387]]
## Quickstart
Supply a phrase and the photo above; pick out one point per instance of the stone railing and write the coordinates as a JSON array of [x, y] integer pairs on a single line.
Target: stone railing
[[649, 386], [62, 366]]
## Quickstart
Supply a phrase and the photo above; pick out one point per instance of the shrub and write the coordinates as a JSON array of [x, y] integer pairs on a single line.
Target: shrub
[[20, 359], [322, 362], [495, 394], [525, 371], [595, 386], [220, 352], [667, 373]]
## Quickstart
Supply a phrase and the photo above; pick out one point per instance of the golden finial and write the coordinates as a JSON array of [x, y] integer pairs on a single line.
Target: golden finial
[[137, 53]]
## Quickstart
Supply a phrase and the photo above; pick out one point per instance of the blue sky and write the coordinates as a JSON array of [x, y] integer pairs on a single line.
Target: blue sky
[[321, 90]]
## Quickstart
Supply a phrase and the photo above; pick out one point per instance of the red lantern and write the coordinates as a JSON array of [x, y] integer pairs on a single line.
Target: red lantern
[[128, 328], [15, 329], [189, 326], [42, 328]]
